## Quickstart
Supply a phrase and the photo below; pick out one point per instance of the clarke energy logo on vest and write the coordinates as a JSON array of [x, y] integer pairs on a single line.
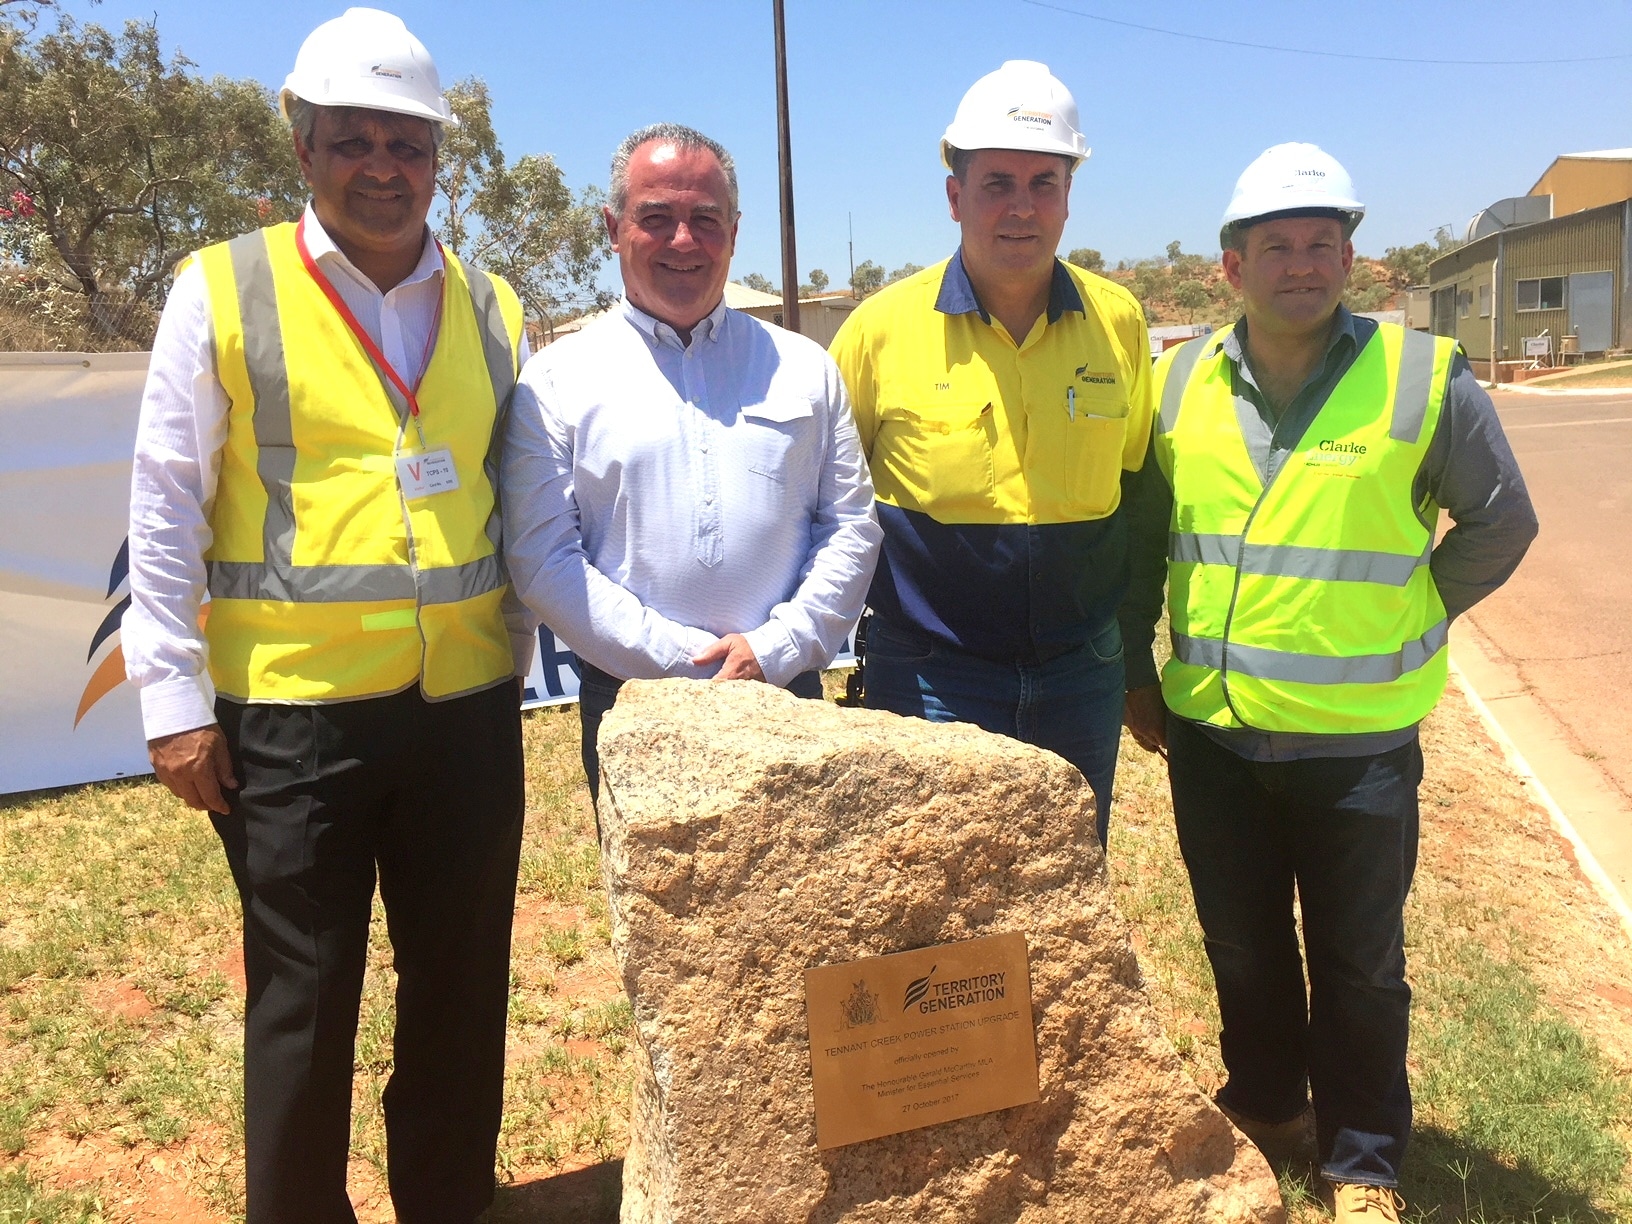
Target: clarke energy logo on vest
[[1333, 457]]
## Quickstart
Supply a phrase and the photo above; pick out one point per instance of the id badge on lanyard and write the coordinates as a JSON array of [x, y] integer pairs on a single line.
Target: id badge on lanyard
[[426, 472]]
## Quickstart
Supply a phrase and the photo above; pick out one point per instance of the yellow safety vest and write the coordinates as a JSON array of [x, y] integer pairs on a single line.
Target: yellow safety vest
[[326, 583], [1307, 605]]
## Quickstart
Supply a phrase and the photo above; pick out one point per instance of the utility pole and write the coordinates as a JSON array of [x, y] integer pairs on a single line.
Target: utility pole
[[784, 161], [851, 218]]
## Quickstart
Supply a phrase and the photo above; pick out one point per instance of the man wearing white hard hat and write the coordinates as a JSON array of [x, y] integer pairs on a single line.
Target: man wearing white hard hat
[[1003, 397], [1302, 458], [316, 450]]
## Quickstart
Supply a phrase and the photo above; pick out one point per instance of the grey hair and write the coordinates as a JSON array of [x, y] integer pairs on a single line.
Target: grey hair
[[303, 119], [681, 137]]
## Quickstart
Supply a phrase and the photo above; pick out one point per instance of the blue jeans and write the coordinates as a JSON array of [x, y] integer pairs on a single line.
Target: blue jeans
[[1070, 705], [1343, 832]]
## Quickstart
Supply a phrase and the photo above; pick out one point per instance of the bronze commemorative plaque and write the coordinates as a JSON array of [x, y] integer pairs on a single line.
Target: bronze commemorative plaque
[[915, 1038]]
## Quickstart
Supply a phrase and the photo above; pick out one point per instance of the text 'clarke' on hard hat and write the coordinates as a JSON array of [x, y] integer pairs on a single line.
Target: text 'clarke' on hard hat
[[1020, 106], [367, 58], [1289, 180]]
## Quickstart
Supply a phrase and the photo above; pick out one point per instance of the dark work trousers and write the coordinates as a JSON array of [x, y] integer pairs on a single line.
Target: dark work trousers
[[1342, 831], [597, 691], [429, 794]]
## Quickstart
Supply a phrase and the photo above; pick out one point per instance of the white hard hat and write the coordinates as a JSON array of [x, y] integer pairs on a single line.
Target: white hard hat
[[1020, 106], [367, 58], [1292, 178]]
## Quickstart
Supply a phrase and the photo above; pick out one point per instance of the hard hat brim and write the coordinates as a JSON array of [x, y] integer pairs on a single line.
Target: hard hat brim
[[402, 106], [1350, 218], [1076, 159]]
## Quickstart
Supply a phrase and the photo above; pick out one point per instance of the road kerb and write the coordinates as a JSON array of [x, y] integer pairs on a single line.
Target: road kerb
[[1584, 856]]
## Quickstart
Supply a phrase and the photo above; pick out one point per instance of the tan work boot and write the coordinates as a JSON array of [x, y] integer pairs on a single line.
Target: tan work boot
[[1358, 1204], [1283, 1143]]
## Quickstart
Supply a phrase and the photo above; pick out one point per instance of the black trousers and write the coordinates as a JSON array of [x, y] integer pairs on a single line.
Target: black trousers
[[598, 692], [429, 796], [1341, 834]]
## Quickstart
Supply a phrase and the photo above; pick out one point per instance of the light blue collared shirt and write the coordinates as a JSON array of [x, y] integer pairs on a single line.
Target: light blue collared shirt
[[659, 495]]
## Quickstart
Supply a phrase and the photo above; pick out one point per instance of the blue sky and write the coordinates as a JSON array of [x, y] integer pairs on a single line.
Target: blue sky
[[1172, 121]]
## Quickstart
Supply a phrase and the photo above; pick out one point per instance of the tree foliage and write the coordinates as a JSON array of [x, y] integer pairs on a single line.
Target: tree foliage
[[819, 280], [1366, 290], [868, 278], [521, 221], [1409, 265], [1191, 296], [904, 271], [755, 281], [1087, 258], [118, 161]]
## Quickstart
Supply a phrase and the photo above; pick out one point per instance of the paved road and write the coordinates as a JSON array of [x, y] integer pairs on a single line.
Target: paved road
[[1561, 630]]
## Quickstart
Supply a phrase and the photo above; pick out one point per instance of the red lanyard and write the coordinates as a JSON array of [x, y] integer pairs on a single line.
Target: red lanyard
[[367, 341]]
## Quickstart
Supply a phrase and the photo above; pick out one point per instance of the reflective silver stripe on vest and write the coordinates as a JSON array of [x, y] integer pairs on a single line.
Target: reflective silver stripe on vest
[[501, 369], [1264, 664], [1296, 560], [501, 361], [269, 382], [1178, 378], [353, 583], [1411, 391]]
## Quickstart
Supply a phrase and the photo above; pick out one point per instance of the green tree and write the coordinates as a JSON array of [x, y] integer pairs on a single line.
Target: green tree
[[117, 161], [1365, 290], [521, 221], [1191, 296], [1409, 265], [904, 271], [868, 278], [755, 281], [819, 280], [1087, 258]]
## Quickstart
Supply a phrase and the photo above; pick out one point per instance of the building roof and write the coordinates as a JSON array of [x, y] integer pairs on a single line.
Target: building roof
[[1601, 155], [740, 297]]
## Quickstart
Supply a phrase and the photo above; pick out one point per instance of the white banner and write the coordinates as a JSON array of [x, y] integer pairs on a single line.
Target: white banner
[[67, 715], [67, 428]]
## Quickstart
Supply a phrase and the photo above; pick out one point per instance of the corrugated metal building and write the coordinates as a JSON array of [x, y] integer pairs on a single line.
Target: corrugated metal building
[[1565, 277], [1579, 181]]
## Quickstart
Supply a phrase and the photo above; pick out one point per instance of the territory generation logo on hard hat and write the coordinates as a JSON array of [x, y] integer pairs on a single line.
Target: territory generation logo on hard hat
[[1020, 106]]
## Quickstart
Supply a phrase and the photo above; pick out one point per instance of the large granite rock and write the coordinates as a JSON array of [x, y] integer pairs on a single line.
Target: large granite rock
[[750, 835]]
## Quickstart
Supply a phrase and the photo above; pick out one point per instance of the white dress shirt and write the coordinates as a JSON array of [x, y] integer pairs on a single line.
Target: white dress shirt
[[660, 495], [182, 429]]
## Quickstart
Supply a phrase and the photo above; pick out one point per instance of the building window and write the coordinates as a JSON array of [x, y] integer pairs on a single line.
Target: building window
[[1464, 300], [1541, 293], [1484, 301]]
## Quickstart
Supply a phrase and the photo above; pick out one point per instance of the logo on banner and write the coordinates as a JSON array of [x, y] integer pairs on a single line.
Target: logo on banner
[[110, 673]]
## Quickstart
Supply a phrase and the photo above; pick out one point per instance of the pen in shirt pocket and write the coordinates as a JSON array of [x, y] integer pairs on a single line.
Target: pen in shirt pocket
[[1071, 402]]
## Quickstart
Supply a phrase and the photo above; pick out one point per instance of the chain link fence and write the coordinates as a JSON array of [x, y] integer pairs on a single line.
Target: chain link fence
[[39, 315]]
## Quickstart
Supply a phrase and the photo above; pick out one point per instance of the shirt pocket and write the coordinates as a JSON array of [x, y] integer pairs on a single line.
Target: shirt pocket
[[937, 459], [1094, 441], [771, 431]]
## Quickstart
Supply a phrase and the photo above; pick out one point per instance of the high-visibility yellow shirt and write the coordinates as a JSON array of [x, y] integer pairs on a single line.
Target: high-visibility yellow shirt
[[328, 581], [997, 462]]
